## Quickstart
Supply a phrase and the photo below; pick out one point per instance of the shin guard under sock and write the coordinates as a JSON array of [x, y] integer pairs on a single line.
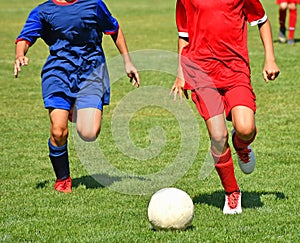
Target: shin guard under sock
[[60, 161], [225, 168]]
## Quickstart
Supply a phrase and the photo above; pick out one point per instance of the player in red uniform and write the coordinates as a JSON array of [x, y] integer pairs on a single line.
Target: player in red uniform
[[214, 65], [291, 5]]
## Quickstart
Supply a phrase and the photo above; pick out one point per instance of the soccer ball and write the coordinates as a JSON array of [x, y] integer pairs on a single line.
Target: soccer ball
[[170, 208]]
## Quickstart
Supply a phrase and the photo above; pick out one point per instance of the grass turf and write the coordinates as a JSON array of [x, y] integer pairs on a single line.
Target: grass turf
[[32, 211]]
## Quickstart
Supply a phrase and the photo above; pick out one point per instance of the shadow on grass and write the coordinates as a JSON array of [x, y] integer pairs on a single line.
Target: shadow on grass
[[277, 41], [189, 228], [249, 199], [88, 181], [92, 181]]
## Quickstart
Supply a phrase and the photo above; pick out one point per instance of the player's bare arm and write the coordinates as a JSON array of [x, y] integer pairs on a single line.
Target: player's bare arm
[[130, 69], [270, 70], [20, 60], [178, 86]]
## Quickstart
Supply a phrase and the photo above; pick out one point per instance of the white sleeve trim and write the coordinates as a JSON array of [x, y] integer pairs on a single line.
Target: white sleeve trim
[[260, 21], [183, 34]]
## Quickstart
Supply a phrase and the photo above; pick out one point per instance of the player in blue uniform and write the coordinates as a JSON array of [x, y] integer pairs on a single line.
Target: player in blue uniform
[[74, 75]]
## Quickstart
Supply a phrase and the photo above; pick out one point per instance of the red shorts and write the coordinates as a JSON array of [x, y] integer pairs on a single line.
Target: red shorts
[[287, 1], [211, 101]]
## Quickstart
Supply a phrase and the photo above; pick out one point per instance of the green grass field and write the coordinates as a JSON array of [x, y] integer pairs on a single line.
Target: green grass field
[[31, 211]]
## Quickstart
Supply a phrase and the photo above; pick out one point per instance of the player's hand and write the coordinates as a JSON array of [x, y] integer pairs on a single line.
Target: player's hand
[[20, 61], [133, 74], [270, 71], [178, 89]]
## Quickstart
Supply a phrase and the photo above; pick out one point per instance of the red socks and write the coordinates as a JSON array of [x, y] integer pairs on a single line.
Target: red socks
[[292, 23], [225, 169], [238, 143], [224, 164]]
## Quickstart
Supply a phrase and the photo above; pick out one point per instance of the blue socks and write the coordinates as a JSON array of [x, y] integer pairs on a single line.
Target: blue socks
[[60, 161]]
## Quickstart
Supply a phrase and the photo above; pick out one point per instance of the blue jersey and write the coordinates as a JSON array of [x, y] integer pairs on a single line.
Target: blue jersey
[[73, 32]]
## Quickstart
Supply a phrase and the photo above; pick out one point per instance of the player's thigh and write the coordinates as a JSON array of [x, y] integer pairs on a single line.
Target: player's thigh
[[58, 105], [237, 97], [88, 122], [58, 118], [208, 101], [216, 127], [243, 120]]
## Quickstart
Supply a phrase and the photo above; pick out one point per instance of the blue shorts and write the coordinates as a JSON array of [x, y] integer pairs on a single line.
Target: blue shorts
[[62, 101]]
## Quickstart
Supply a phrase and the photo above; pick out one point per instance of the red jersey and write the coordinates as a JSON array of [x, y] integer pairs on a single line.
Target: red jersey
[[217, 32]]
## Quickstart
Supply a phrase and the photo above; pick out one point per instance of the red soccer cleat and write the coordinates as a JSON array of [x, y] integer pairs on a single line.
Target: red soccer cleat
[[233, 203], [64, 185]]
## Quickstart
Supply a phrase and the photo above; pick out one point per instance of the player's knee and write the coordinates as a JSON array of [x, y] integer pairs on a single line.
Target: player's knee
[[88, 135], [292, 6], [60, 135], [283, 5], [246, 132], [219, 138]]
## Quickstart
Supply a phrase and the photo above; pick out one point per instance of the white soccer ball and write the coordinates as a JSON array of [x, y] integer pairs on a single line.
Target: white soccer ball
[[170, 208]]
